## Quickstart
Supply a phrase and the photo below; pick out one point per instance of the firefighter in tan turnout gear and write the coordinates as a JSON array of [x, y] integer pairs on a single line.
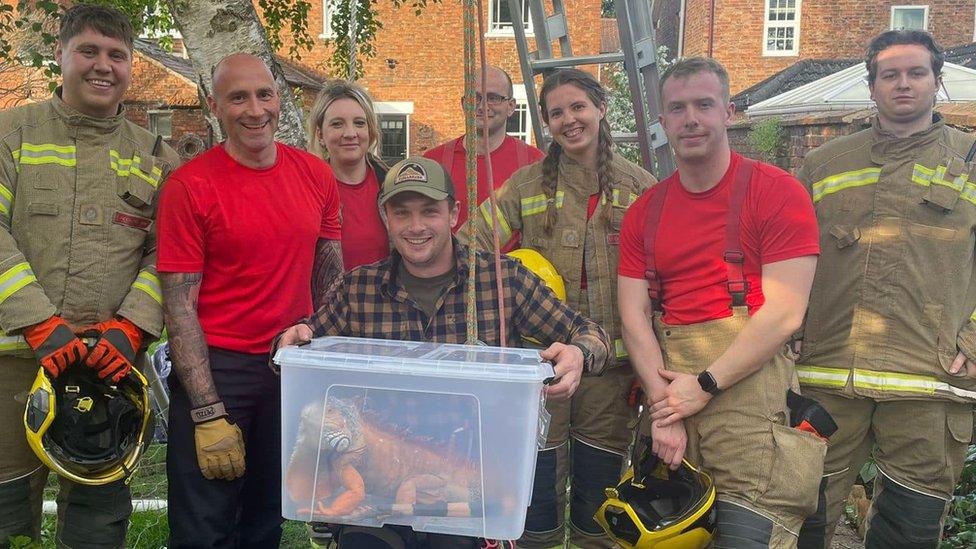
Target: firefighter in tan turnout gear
[[889, 344], [569, 208], [77, 254]]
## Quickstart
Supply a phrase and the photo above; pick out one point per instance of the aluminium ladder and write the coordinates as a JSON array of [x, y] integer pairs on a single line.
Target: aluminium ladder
[[638, 54]]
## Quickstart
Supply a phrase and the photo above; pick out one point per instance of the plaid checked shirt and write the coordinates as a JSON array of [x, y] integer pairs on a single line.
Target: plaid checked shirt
[[368, 302]]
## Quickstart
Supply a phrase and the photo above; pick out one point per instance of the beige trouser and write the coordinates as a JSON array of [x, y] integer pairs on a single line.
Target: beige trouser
[[766, 474], [918, 444], [588, 438]]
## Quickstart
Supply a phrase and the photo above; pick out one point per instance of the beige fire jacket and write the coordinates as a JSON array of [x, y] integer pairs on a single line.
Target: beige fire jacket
[[77, 209], [522, 207], [895, 291]]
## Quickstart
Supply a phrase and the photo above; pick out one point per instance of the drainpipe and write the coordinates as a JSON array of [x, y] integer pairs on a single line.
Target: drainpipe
[[711, 27], [681, 32]]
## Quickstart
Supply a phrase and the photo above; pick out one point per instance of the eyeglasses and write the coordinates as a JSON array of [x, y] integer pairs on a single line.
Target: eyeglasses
[[493, 99]]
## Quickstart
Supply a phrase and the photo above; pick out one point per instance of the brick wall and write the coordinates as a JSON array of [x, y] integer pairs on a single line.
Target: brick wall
[[803, 134], [800, 135], [428, 61], [828, 29], [152, 82]]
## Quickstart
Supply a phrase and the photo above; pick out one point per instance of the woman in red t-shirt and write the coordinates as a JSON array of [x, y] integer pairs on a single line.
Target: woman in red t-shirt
[[343, 130]]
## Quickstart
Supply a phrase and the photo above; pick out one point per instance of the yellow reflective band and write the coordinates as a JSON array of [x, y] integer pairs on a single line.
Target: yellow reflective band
[[845, 180], [907, 383], [6, 200], [147, 282], [615, 194], [14, 279], [506, 230], [45, 153], [969, 193], [12, 343], [618, 345], [925, 176], [537, 204], [127, 166], [824, 377]]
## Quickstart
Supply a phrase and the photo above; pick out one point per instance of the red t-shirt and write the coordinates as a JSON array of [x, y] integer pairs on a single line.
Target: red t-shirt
[[252, 235], [778, 223], [504, 162], [364, 238]]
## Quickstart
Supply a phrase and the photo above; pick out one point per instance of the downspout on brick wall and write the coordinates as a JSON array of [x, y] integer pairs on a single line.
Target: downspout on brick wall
[[711, 27]]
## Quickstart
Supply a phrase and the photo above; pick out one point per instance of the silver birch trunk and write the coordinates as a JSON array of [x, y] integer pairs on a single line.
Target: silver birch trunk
[[214, 29]]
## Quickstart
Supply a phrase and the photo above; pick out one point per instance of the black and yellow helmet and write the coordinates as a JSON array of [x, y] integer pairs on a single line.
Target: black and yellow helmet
[[86, 429], [658, 507]]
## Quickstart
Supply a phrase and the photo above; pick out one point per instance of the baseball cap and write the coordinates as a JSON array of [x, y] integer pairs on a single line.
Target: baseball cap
[[417, 174]]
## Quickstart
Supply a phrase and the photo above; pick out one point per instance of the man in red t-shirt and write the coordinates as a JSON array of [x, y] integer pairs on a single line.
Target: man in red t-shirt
[[507, 153], [716, 264], [248, 233]]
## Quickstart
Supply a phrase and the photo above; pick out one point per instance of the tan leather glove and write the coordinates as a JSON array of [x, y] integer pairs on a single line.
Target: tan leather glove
[[219, 443]]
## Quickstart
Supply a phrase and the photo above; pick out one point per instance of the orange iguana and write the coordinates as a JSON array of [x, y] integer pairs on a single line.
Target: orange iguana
[[341, 458]]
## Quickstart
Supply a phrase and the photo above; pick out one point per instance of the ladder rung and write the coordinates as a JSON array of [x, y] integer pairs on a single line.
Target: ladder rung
[[539, 65]]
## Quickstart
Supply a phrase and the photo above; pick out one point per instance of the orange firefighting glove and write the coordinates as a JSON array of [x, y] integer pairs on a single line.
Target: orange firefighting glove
[[55, 345], [219, 443], [115, 351]]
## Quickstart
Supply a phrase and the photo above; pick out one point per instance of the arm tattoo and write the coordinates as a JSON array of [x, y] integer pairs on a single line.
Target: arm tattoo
[[191, 361], [326, 268]]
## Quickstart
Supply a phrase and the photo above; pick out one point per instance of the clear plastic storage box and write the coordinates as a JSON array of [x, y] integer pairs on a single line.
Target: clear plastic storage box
[[441, 438]]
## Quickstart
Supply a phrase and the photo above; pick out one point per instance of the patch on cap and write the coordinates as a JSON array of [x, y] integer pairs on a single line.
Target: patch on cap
[[411, 172]]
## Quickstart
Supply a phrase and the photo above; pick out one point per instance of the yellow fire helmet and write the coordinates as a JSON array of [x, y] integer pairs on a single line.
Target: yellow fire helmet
[[658, 507], [86, 429], [542, 268]]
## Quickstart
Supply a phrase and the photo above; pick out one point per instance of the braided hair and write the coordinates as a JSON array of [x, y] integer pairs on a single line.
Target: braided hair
[[604, 156]]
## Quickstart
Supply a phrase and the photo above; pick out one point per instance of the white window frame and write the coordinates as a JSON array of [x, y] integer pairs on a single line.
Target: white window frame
[[925, 15], [328, 9], [151, 121], [794, 24], [402, 108], [522, 102], [499, 29]]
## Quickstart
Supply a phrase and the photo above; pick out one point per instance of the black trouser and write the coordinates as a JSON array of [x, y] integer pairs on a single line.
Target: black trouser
[[245, 512]]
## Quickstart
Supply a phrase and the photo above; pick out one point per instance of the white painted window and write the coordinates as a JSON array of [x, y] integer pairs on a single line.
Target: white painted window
[[910, 17], [500, 18], [781, 28], [328, 10], [394, 118], [161, 123], [520, 123]]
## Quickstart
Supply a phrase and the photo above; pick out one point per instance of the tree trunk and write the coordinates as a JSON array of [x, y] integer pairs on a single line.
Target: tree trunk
[[214, 29]]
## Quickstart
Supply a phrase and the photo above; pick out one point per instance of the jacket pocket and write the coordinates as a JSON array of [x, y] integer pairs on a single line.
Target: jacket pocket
[[946, 184], [138, 179], [845, 235]]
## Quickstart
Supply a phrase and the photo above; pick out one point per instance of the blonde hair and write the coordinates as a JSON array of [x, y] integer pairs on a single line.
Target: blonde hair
[[333, 91]]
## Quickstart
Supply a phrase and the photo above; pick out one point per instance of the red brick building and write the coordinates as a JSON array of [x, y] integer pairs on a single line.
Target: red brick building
[[417, 76], [757, 39]]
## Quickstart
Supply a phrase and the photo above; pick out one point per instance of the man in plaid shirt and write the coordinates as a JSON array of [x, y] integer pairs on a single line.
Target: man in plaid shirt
[[418, 294]]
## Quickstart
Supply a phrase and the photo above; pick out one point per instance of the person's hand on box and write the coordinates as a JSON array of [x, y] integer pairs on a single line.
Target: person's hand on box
[[567, 363], [296, 335]]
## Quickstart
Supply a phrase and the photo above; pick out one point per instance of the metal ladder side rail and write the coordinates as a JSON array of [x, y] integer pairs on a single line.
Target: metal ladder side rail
[[638, 64], [635, 28]]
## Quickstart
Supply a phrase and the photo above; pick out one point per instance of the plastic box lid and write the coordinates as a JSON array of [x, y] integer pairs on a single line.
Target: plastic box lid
[[417, 358]]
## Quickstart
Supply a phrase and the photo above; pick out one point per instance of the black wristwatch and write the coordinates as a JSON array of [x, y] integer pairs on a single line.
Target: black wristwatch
[[708, 383], [587, 358]]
